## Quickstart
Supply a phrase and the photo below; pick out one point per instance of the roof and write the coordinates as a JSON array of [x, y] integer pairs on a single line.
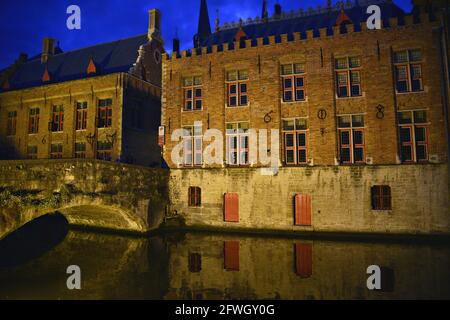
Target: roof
[[110, 57], [290, 23]]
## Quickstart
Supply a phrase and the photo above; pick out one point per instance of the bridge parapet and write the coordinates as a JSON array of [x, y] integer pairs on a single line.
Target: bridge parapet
[[90, 193]]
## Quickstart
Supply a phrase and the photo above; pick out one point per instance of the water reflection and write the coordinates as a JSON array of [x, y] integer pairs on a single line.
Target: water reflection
[[208, 266]]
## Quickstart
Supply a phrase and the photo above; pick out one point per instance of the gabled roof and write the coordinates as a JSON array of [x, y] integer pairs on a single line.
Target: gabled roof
[[289, 25], [111, 57]]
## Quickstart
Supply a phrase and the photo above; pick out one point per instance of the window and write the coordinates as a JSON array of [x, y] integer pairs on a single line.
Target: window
[[351, 138], [104, 150], [12, 123], [104, 113], [33, 121], [231, 255], [413, 134], [293, 79], [348, 76], [237, 88], [32, 152], [381, 198], [295, 141], [56, 150], [192, 91], [81, 123], [195, 197], [57, 123], [195, 262], [408, 71], [237, 143], [80, 150], [192, 145]]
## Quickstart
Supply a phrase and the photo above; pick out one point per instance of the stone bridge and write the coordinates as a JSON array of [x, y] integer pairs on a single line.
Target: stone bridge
[[89, 193]]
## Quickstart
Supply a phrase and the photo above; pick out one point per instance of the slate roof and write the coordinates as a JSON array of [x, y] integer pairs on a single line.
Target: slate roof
[[110, 57], [287, 25]]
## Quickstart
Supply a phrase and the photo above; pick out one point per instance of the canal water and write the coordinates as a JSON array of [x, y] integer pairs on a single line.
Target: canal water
[[34, 260]]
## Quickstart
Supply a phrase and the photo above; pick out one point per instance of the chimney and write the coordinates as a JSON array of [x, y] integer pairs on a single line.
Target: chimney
[[154, 24], [277, 11], [48, 49], [176, 46]]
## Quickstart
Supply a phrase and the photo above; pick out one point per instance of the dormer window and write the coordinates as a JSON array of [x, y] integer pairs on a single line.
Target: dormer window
[[46, 75]]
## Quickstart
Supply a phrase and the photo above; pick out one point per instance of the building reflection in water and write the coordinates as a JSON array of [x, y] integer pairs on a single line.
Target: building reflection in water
[[210, 266]]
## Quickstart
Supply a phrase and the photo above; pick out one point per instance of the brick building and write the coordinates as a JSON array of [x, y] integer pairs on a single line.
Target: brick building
[[96, 102], [362, 117]]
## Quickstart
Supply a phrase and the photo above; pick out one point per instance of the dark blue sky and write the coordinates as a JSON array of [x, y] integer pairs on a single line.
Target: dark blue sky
[[23, 23]]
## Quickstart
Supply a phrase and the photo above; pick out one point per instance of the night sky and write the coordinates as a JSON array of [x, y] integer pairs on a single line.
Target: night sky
[[23, 23]]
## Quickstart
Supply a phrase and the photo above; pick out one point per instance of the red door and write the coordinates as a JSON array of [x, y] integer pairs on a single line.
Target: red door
[[302, 210], [231, 207], [231, 255], [303, 260]]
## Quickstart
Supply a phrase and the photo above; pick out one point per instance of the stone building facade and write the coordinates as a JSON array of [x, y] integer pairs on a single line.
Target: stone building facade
[[361, 115], [98, 102]]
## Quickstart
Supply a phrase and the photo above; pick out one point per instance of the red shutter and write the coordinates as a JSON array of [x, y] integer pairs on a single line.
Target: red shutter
[[231, 255], [231, 207], [303, 260], [302, 210]]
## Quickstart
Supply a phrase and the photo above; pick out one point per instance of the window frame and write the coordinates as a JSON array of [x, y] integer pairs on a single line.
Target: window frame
[[194, 196], [58, 154], [33, 120], [104, 120], [194, 99], [408, 65], [294, 87], [238, 94], [57, 118], [81, 115], [11, 127], [240, 151], [295, 148], [352, 146], [413, 143], [192, 138], [104, 154], [379, 198], [348, 71], [80, 154]]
